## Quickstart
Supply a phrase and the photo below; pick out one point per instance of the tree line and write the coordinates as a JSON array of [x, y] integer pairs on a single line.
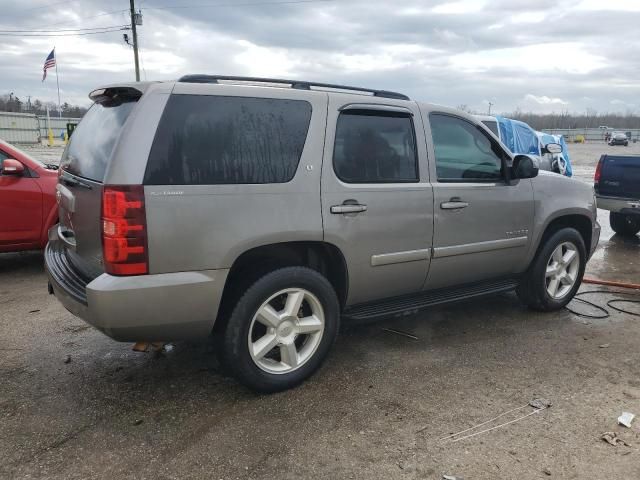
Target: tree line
[[11, 103], [589, 119], [562, 120]]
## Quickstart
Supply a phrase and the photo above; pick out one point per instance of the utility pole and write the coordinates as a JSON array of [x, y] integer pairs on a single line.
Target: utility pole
[[134, 18], [490, 103]]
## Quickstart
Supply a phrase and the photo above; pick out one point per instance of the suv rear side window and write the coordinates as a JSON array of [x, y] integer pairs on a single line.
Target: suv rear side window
[[463, 151], [92, 142], [207, 140], [375, 147]]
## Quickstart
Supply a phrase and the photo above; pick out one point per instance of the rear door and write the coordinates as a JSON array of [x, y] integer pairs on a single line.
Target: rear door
[[79, 191], [482, 224], [620, 177], [377, 204]]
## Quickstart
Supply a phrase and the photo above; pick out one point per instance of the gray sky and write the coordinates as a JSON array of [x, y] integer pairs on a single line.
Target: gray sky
[[542, 55]]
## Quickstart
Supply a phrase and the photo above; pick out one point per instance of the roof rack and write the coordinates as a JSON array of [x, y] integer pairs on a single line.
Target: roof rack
[[297, 84]]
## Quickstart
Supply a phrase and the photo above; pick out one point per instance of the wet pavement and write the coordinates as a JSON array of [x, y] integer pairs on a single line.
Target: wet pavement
[[75, 404]]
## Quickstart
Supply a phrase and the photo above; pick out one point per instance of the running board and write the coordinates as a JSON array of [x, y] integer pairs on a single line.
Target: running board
[[413, 303]]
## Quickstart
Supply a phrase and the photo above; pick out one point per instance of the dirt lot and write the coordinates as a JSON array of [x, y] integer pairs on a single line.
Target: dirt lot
[[75, 404]]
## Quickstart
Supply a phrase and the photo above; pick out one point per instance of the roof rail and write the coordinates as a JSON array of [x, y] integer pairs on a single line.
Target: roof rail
[[297, 84]]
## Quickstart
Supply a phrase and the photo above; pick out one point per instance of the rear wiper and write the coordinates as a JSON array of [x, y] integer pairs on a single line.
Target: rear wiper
[[76, 183]]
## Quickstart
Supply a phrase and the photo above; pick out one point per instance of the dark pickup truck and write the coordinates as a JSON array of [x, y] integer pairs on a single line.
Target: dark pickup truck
[[617, 186]]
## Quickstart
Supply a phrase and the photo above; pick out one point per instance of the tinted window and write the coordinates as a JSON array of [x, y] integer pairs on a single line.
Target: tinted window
[[463, 151], [222, 140], [375, 148], [91, 145], [493, 126]]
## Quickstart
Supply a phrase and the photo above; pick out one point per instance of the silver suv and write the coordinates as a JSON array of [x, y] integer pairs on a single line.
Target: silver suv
[[263, 211]]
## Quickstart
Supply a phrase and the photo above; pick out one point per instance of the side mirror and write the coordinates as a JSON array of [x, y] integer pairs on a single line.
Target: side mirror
[[553, 148], [12, 167], [524, 167]]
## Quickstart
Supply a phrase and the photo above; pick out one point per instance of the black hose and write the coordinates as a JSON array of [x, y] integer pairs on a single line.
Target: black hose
[[605, 312]]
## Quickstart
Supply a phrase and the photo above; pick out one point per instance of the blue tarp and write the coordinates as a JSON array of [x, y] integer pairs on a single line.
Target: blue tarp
[[521, 138], [518, 136]]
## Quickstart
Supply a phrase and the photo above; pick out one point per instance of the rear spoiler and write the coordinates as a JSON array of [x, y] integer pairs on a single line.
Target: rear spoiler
[[116, 94]]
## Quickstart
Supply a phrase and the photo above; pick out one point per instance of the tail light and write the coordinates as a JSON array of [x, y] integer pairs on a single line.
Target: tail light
[[596, 176], [124, 230]]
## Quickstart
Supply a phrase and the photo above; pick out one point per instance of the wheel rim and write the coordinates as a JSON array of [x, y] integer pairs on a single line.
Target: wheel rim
[[562, 270], [286, 330]]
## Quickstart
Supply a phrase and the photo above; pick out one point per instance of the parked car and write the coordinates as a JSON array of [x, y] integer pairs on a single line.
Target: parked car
[[27, 200], [560, 162], [551, 153], [617, 186], [263, 211], [619, 138]]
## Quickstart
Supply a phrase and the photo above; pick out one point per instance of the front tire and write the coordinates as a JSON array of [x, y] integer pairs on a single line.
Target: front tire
[[556, 273], [625, 225], [281, 329]]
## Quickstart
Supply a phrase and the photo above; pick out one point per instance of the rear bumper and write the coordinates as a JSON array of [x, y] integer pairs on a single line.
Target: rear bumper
[[162, 307], [620, 205]]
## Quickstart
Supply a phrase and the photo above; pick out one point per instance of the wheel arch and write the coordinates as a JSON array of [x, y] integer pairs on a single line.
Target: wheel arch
[[254, 263], [579, 221]]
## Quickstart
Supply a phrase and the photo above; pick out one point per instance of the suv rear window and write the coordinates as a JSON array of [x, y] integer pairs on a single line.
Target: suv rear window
[[92, 142], [206, 140]]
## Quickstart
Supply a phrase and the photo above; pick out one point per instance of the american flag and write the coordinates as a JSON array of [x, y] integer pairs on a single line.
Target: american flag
[[50, 62]]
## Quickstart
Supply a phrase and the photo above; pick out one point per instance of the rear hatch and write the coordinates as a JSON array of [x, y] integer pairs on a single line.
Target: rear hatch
[[82, 171], [620, 177]]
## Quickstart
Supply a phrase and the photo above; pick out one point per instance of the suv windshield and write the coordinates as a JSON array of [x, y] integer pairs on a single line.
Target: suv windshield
[[92, 142]]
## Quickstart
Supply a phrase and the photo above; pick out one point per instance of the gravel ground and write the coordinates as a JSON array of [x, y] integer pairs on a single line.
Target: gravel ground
[[75, 404]]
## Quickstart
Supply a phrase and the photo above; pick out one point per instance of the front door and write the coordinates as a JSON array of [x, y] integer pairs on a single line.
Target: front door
[[482, 224], [20, 209], [377, 204]]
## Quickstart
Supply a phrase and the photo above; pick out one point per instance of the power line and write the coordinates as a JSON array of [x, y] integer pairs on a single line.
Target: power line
[[62, 30], [247, 4], [61, 34], [66, 22], [48, 5]]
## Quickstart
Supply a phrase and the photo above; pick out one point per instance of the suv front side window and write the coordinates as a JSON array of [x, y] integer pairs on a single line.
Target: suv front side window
[[375, 147], [463, 151]]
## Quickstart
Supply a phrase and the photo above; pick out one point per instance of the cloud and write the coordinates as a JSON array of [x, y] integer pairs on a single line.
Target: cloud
[[452, 53], [544, 100]]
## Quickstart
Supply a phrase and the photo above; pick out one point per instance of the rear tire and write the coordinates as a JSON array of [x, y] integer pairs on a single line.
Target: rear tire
[[556, 273], [281, 329], [625, 225]]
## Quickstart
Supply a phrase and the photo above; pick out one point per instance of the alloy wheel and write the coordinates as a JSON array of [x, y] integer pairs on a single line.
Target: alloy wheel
[[286, 331], [562, 270]]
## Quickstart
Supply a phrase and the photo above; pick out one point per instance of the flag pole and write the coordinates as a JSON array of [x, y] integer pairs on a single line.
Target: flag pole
[[57, 83]]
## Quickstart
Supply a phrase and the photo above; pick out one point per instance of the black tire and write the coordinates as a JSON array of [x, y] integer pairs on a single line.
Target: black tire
[[234, 349], [625, 225], [532, 290]]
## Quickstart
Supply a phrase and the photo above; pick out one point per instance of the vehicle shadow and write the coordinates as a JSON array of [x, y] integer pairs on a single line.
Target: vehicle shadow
[[193, 369], [21, 262]]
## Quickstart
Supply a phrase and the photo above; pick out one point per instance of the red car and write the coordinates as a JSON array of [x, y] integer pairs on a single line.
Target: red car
[[28, 206]]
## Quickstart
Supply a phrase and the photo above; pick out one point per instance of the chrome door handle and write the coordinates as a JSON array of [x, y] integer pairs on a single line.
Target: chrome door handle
[[348, 208], [454, 204]]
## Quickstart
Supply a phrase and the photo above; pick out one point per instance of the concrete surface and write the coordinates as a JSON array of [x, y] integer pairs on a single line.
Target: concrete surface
[[75, 404]]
